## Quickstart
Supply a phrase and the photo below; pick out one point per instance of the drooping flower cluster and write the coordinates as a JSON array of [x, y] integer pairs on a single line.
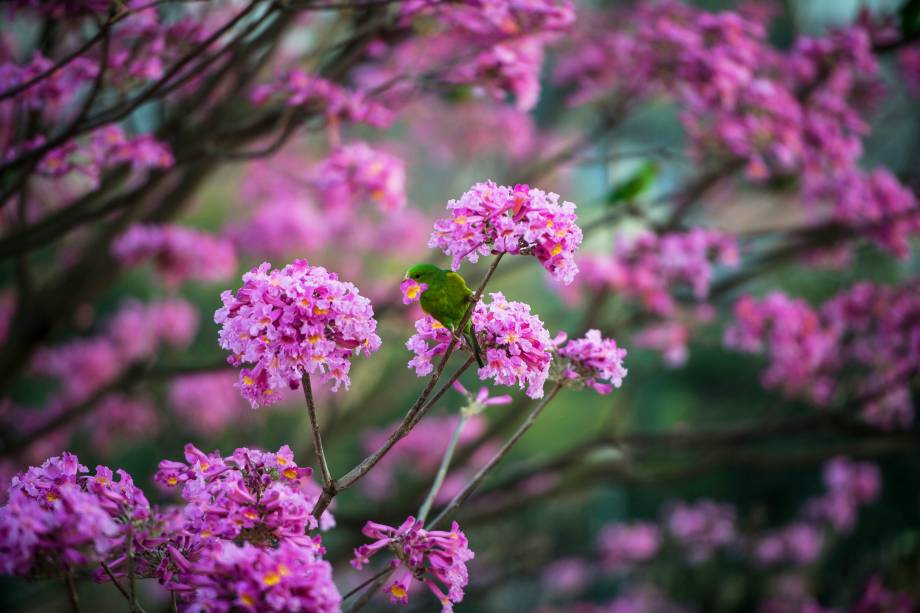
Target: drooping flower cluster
[[259, 497], [649, 267], [591, 361], [517, 348], [868, 331], [622, 546], [300, 320], [357, 172], [228, 576], [178, 253], [492, 218], [436, 558]]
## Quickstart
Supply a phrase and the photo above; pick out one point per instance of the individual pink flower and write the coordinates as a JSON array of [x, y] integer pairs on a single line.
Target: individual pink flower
[[481, 400], [799, 543], [591, 361], [518, 349], [492, 218], [300, 320], [622, 546], [412, 290], [567, 575], [668, 337], [178, 253], [227, 576], [436, 558], [850, 485]]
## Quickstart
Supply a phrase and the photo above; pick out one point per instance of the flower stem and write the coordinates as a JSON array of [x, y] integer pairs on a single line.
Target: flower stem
[[72, 595], [442, 469], [471, 486], [328, 484]]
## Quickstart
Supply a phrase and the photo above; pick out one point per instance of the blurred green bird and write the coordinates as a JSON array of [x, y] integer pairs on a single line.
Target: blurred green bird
[[446, 298]]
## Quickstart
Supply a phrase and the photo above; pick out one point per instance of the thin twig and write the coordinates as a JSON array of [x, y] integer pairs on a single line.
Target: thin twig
[[119, 586], [471, 486], [317, 438], [365, 583], [442, 469], [369, 592], [72, 595]]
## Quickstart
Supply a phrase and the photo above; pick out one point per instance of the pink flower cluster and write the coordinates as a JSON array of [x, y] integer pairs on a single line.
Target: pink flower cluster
[[58, 518], [591, 361], [50, 93], [434, 557], [232, 577], [518, 349], [850, 485], [501, 18], [648, 267], [133, 333], [178, 253], [254, 496], [622, 546], [356, 172], [300, 320], [299, 88], [868, 331], [492, 218], [206, 402], [702, 527], [797, 544]]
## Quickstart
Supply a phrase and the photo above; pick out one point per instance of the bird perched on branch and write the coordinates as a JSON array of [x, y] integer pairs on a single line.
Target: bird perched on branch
[[447, 299]]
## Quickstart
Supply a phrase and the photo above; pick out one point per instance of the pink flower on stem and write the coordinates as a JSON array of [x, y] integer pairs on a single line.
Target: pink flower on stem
[[412, 290], [356, 172], [591, 360], [482, 399], [516, 345], [492, 218], [436, 558], [291, 322], [623, 546]]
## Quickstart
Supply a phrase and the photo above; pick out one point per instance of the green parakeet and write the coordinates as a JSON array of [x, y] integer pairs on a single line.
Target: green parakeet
[[446, 298]]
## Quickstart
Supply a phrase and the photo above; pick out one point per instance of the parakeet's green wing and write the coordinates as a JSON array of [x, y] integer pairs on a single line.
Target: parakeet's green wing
[[456, 286]]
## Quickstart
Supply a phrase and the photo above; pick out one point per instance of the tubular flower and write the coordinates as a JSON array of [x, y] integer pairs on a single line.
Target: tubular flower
[[592, 359], [412, 290], [254, 496], [492, 218], [517, 347], [434, 557], [231, 577], [291, 322]]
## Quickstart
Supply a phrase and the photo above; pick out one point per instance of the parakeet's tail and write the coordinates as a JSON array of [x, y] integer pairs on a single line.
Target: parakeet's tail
[[474, 343]]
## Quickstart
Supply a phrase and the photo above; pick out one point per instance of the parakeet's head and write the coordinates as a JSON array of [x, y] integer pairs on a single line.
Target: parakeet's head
[[424, 273]]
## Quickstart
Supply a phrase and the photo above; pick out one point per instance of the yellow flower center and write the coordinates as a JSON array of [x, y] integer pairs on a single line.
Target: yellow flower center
[[172, 480], [247, 380], [412, 292], [290, 473], [280, 460], [271, 578], [247, 600], [460, 220], [556, 250], [319, 311], [314, 338], [50, 497], [398, 590]]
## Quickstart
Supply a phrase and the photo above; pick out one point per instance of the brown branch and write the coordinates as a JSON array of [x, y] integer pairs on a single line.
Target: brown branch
[[328, 483]]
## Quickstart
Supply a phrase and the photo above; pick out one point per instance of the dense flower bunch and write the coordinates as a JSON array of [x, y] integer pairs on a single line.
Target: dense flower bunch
[[434, 557], [178, 253], [259, 497], [868, 331], [492, 218], [518, 349], [850, 485], [300, 320], [357, 172], [648, 267], [228, 577], [58, 518], [591, 361]]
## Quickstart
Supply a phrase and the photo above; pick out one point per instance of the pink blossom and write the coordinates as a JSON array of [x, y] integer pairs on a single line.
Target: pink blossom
[[434, 557], [229, 577], [702, 528], [494, 218], [622, 546], [876, 598], [292, 322], [567, 575], [516, 345], [668, 337], [178, 253], [356, 172], [206, 402], [592, 360], [850, 485], [412, 290]]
